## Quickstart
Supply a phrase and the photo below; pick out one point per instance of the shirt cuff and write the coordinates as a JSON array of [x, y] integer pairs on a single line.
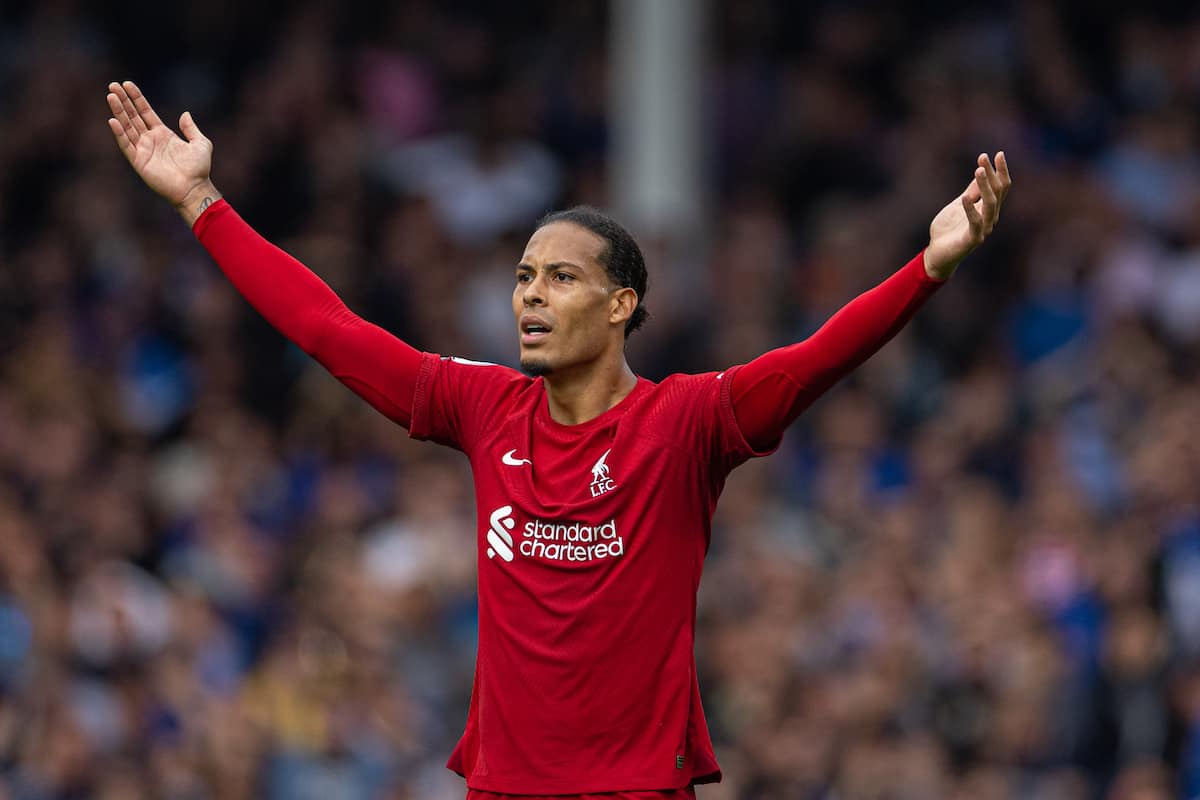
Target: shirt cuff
[[918, 265], [208, 216]]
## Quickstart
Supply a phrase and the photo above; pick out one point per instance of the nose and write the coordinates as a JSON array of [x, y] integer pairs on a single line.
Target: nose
[[534, 294]]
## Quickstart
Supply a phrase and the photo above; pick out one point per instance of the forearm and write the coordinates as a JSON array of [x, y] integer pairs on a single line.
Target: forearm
[[372, 362], [775, 388], [289, 295]]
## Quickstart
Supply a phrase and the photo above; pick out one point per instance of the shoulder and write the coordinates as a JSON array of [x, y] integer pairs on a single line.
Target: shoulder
[[681, 385], [477, 372], [695, 411], [704, 398], [455, 399], [471, 383], [680, 397]]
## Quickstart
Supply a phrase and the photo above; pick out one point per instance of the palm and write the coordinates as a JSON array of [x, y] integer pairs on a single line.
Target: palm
[[168, 164], [950, 231]]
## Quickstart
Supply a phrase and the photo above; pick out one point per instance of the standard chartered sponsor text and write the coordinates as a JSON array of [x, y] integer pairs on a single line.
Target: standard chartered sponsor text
[[571, 541]]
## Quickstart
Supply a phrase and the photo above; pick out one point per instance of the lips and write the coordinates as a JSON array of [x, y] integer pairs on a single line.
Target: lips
[[533, 329]]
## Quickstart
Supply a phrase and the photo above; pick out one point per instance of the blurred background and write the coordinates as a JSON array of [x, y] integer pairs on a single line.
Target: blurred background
[[973, 569]]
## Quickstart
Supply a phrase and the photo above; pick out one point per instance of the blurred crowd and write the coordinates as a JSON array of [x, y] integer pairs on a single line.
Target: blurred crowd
[[972, 570]]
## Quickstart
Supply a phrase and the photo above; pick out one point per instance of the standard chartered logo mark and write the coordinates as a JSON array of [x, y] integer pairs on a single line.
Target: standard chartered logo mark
[[501, 522], [552, 540]]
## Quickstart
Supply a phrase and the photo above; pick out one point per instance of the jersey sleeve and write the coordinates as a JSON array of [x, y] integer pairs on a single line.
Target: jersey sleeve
[[456, 399], [694, 414], [373, 363], [768, 393]]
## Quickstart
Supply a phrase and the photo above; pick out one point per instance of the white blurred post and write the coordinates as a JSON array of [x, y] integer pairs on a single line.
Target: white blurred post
[[656, 68]]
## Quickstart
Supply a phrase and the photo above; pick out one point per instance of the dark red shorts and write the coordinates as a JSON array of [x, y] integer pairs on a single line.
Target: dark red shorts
[[672, 794]]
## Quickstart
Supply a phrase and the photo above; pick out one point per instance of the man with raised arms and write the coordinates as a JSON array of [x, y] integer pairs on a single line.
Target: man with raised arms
[[585, 680]]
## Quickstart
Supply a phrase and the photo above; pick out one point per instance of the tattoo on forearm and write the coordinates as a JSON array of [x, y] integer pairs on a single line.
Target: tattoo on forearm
[[205, 203]]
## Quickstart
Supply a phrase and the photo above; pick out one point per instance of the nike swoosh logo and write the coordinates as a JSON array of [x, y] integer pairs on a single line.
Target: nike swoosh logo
[[508, 458]]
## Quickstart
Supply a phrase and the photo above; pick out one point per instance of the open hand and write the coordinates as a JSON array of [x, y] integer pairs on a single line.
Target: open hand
[[178, 169], [967, 220]]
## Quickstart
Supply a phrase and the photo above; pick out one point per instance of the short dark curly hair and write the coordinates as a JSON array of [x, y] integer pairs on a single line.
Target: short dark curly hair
[[621, 259]]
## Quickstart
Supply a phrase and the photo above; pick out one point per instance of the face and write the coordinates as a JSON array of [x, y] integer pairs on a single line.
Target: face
[[568, 311]]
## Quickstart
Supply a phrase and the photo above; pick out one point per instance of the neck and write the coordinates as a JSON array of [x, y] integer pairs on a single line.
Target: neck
[[578, 396]]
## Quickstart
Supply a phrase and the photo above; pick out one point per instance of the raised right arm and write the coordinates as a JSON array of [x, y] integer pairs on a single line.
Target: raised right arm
[[373, 363]]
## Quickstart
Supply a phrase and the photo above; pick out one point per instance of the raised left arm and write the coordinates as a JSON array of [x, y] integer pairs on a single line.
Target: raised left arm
[[772, 390]]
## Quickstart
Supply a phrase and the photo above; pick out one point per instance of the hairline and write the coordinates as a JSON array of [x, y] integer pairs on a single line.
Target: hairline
[[604, 256]]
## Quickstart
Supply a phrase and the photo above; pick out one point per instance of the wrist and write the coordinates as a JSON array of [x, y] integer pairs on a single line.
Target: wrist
[[197, 200], [938, 268]]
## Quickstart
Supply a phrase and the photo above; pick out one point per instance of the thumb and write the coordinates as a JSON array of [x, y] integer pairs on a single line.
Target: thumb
[[973, 217], [972, 192], [191, 131]]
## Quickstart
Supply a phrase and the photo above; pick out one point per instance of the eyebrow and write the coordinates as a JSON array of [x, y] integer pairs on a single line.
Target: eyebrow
[[554, 265]]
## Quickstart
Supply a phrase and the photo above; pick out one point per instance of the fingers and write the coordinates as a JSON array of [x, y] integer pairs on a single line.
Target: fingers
[[972, 191], [973, 218], [998, 176], [120, 114], [142, 105], [1002, 171], [970, 201], [987, 193], [118, 131], [191, 131], [131, 112]]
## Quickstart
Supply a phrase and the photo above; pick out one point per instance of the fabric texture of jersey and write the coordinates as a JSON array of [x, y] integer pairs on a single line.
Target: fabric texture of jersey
[[591, 539]]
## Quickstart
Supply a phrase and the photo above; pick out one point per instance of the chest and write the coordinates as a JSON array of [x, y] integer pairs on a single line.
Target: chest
[[586, 498], [557, 471]]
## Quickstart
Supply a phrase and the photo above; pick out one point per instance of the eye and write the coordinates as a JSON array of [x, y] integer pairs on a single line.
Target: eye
[[563, 277], [524, 277]]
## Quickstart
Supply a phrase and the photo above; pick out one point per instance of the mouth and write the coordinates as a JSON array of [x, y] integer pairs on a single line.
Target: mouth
[[533, 330]]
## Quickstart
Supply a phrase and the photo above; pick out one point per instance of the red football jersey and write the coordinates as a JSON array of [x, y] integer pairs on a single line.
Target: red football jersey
[[591, 537], [591, 540]]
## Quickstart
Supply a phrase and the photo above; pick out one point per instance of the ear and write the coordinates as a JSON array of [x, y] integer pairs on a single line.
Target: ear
[[621, 305]]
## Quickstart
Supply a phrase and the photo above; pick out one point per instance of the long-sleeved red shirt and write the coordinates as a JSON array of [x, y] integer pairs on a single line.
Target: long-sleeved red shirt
[[590, 537], [769, 393]]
